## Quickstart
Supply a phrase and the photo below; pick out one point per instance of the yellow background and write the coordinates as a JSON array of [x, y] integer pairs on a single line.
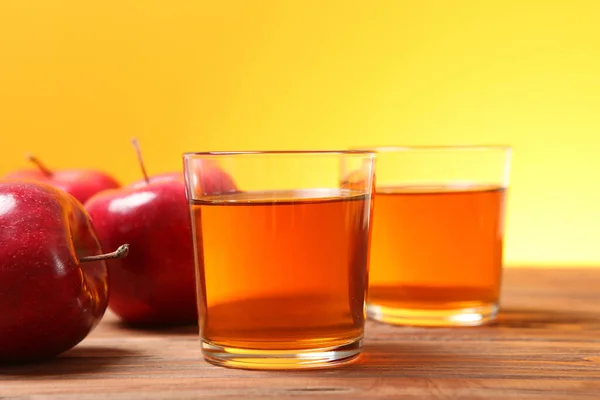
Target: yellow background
[[78, 79]]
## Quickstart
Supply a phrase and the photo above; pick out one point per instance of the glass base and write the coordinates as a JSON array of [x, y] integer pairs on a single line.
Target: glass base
[[327, 357], [471, 316]]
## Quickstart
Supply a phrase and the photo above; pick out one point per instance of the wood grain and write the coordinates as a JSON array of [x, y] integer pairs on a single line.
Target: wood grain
[[546, 345]]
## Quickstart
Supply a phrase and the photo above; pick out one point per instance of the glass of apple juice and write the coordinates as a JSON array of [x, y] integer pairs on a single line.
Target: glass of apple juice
[[438, 230], [281, 243]]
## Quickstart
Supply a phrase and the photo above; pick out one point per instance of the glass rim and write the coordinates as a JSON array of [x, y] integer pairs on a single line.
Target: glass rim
[[399, 148], [364, 152]]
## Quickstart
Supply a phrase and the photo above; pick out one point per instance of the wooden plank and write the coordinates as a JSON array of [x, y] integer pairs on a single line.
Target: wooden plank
[[546, 345]]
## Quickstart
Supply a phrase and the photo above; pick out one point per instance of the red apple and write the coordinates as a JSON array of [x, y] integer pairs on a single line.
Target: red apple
[[155, 284], [49, 301], [80, 183]]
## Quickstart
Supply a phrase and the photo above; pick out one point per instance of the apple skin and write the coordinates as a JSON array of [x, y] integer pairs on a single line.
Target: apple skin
[[49, 301], [207, 178], [80, 183]]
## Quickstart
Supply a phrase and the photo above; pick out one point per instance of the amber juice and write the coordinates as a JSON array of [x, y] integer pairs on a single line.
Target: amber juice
[[282, 270], [436, 254]]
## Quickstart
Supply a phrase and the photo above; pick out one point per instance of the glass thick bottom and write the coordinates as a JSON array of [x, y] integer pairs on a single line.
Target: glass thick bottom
[[318, 358], [471, 316]]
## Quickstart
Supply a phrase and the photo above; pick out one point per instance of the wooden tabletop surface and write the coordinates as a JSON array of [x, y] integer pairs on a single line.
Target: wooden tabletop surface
[[546, 345]]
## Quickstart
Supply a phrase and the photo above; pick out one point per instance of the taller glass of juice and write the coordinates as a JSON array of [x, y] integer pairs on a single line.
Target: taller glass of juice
[[438, 226], [281, 242]]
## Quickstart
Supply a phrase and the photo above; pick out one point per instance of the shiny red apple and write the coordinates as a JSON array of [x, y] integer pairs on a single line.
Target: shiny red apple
[[155, 284], [53, 280], [80, 183]]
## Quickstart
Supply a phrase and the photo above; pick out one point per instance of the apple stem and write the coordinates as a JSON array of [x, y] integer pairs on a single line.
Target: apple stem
[[118, 253], [136, 146], [45, 170]]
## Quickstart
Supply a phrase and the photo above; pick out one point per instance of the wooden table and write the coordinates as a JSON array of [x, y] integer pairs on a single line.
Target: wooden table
[[546, 345]]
